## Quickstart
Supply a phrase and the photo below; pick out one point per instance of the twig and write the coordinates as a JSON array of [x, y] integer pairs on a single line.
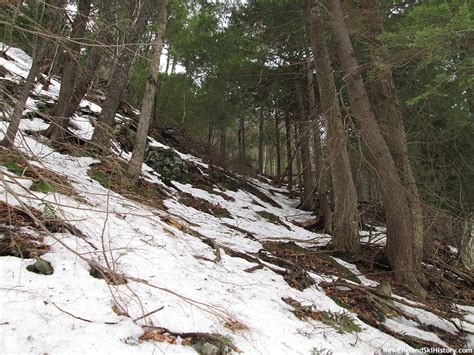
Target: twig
[[149, 314], [80, 318]]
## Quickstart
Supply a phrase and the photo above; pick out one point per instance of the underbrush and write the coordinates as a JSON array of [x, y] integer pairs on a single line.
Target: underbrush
[[44, 180], [111, 175]]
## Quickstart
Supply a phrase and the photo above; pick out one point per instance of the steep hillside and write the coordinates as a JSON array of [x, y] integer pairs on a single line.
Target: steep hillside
[[197, 259]]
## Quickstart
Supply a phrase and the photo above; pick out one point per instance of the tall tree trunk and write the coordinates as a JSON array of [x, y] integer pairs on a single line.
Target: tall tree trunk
[[168, 59], [393, 130], [289, 155], [298, 161], [52, 10], [242, 139], [260, 142], [56, 131], [222, 143], [210, 134], [82, 82], [319, 168], [20, 103], [277, 144], [119, 77], [346, 217], [399, 249], [303, 137], [136, 161]]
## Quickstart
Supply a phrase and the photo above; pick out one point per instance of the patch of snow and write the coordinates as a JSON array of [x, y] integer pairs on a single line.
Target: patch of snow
[[404, 326]]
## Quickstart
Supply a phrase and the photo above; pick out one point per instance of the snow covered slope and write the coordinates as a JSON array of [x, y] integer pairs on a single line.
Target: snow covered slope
[[182, 267]]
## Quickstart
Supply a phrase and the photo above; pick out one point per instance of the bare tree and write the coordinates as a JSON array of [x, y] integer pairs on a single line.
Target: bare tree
[[136, 161], [319, 167], [277, 144], [289, 154], [346, 217], [140, 12], [304, 126], [261, 143], [70, 73], [52, 11]]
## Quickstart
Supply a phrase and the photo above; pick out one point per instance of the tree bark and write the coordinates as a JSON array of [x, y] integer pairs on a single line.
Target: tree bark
[[136, 161], [289, 155], [107, 8], [260, 142], [277, 144], [399, 248], [20, 104], [346, 217], [56, 131], [303, 138], [297, 157], [210, 135], [393, 130], [52, 9], [242, 139], [222, 142], [325, 208], [119, 77]]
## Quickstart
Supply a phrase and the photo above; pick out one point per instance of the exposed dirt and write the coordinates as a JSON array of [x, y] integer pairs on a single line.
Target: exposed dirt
[[199, 204]]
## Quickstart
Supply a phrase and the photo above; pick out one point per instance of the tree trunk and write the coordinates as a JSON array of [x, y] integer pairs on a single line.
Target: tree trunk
[[210, 134], [289, 155], [107, 9], [399, 248], [346, 217], [136, 161], [51, 9], [119, 77], [277, 144], [222, 143], [168, 59], [20, 103], [298, 161], [303, 137], [242, 139], [260, 142], [393, 130], [56, 131], [466, 244], [319, 168]]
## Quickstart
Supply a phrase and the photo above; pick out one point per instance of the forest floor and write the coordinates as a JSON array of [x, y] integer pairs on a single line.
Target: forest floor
[[212, 263]]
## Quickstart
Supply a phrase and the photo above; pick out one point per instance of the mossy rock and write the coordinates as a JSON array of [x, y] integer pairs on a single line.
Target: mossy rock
[[111, 278], [41, 266], [213, 344], [167, 163]]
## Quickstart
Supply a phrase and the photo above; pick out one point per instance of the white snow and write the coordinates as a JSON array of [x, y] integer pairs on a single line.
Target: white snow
[[71, 311]]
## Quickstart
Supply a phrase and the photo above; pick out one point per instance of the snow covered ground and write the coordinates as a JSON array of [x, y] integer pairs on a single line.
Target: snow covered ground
[[166, 267]]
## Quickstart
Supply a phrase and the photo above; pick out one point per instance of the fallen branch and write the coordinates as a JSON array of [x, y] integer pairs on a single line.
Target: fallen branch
[[366, 289], [149, 314], [80, 318]]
